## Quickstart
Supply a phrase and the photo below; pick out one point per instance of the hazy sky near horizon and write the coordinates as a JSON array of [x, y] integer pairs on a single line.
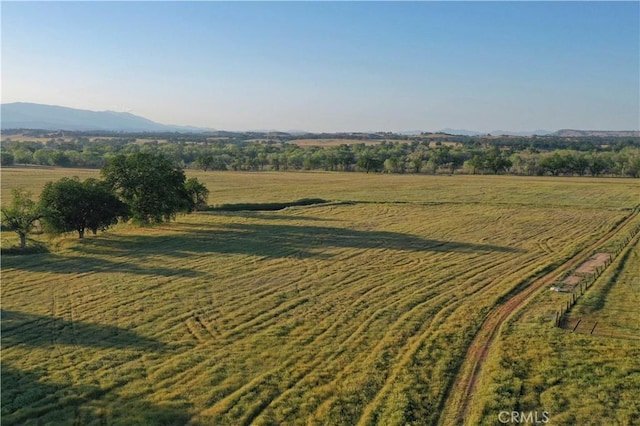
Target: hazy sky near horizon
[[332, 66]]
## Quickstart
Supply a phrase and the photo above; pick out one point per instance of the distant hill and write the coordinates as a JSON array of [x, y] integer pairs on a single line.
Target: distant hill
[[23, 115], [601, 133], [461, 132], [464, 132], [510, 133]]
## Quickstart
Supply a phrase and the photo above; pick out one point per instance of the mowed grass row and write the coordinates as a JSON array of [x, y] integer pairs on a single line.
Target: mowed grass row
[[575, 376], [329, 314]]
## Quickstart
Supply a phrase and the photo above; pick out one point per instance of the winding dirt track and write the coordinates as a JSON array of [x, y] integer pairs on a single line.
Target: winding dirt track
[[456, 406]]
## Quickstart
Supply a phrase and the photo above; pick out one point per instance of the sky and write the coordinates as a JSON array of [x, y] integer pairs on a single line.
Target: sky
[[331, 66]]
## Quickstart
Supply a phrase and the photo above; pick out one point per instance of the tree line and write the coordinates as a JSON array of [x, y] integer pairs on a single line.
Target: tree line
[[513, 155], [142, 188]]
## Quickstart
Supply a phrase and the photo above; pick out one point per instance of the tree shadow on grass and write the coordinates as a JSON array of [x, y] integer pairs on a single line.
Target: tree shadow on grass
[[27, 398], [21, 328], [71, 264], [128, 253], [268, 216], [270, 240], [276, 241]]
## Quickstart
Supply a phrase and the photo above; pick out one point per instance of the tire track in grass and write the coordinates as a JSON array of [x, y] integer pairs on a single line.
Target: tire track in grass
[[457, 402], [294, 285], [346, 342], [387, 307], [479, 287], [444, 298], [543, 243], [364, 295], [54, 323], [412, 347], [260, 322], [243, 294], [293, 361]]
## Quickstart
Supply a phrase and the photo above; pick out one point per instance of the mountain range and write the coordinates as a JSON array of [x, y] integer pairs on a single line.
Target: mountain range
[[23, 115]]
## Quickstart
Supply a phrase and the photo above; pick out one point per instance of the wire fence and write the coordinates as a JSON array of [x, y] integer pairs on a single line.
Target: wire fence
[[583, 281]]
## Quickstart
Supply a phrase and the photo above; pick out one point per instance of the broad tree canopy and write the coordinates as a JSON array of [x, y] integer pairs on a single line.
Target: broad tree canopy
[[21, 214], [70, 205], [151, 185]]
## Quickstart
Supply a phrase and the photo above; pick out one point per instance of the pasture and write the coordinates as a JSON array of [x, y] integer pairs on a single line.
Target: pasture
[[585, 372], [357, 311]]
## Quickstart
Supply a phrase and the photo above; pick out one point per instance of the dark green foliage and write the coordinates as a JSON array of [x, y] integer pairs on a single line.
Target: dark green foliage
[[250, 151], [598, 165], [6, 159], [211, 162], [267, 206], [198, 194], [496, 161], [106, 208], [370, 162], [555, 164], [70, 205], [204, 162], [150, 185], [21, 215], [476, 163]]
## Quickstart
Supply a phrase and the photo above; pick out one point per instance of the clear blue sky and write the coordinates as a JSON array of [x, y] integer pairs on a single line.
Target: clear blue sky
[[343, 66]]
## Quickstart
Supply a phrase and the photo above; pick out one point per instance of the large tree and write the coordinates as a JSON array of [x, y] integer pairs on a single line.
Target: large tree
[[71, 205], [151, 186], [21, 214]]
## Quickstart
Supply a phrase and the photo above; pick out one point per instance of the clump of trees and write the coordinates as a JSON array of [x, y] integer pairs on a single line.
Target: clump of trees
[[150, 185], [391, 153], [144, 187]]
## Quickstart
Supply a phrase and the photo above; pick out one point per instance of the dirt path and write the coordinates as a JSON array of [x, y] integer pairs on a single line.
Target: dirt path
[[456, 406]]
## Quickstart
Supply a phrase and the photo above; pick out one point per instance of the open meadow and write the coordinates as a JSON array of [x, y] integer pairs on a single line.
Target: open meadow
[[356, 311]]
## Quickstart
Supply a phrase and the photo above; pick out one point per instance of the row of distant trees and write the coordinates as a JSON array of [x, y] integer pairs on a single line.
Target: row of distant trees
[[143, 188], [619, 159]]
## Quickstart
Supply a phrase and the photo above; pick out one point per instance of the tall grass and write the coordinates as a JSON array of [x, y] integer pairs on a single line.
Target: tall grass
[[354, 311]]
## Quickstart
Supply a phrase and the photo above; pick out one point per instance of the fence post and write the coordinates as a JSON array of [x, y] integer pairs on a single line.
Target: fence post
[[577, 324]]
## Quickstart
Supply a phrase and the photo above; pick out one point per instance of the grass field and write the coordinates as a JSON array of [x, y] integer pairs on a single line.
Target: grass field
[[613, 302], [574, 376], [357, 311], [588, 371]]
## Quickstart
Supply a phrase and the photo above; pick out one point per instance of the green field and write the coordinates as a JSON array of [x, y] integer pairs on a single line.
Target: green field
[[586, 372], [355, 311]]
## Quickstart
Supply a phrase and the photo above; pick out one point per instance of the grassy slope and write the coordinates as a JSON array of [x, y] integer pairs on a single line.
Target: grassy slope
[[328, 314]]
